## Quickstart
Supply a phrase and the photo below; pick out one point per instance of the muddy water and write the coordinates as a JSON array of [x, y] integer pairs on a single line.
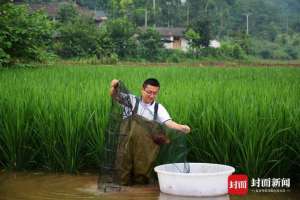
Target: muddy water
[[43, 186]]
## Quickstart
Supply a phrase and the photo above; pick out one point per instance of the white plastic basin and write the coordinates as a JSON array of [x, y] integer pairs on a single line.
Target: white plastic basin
[[204, 179]]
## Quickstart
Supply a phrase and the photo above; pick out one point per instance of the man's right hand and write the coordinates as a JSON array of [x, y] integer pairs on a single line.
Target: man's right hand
[[114, 83]]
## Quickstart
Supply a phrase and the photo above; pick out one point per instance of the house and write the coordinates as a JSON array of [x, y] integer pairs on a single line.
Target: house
[[99, 17], [52, 9], [173, 37], [214, 44]]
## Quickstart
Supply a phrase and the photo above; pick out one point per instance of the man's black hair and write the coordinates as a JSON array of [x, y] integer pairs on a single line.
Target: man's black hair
[[152, 82]]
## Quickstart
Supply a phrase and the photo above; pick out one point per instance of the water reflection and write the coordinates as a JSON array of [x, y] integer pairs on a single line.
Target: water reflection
[[163, 196], [43, 186], [39, 186]]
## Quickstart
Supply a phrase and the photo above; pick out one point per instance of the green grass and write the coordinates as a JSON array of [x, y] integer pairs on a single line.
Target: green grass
[[54, 117]]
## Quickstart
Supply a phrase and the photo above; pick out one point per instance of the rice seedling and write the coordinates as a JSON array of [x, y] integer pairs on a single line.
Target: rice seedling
[[54, 118]]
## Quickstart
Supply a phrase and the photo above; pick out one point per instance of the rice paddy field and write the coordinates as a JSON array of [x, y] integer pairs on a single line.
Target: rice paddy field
[[54, 118]]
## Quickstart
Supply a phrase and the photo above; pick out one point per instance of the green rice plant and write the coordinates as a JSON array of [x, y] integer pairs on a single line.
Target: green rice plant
[[55, 117], [17, 134]]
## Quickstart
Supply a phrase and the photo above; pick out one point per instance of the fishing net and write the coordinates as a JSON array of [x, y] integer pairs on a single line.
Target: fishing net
[[121, 144]]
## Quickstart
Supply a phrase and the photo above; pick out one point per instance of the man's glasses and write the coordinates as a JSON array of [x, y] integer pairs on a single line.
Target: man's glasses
[[150, 92]]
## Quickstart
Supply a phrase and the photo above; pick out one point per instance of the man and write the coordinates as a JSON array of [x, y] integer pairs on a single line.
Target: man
[[143, 119]]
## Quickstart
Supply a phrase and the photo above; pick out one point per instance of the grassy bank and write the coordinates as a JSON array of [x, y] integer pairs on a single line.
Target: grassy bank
[[54, 117]]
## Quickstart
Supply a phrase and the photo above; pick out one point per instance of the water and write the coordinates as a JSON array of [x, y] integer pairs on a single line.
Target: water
[[40, 186], [186, 168]]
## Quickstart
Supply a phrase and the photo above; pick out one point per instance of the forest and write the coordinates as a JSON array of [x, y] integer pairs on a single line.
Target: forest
[[254, 29]]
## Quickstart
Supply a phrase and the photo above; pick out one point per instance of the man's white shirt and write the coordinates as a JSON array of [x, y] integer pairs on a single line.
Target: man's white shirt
[[147, 110]]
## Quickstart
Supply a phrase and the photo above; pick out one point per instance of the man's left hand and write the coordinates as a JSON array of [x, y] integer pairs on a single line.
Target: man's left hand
[[185, 129]]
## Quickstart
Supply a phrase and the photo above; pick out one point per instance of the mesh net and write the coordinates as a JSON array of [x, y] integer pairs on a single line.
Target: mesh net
[[172, 144]]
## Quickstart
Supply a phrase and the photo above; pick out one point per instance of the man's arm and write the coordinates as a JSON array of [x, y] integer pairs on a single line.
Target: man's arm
[[173, 125]]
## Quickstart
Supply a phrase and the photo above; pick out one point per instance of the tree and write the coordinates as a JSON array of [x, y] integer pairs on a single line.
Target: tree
[[24, 35], [202, 29], [150, 44], [121, 31], [192, 36], [78, 38], [67, 12]]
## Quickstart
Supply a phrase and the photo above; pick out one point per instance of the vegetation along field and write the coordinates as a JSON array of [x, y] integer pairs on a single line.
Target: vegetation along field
[[53, 118]]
